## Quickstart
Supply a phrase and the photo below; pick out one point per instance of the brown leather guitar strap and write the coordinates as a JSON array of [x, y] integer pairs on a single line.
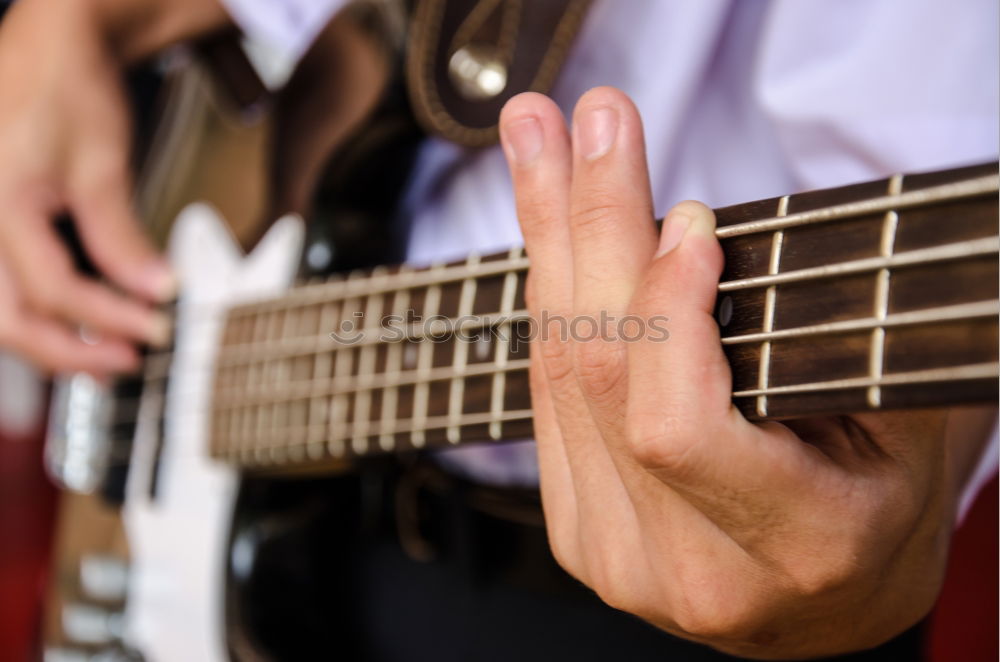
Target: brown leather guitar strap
[[466, 58]]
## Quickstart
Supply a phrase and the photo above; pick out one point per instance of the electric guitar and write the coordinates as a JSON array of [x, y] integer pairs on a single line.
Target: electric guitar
[[877, 296]]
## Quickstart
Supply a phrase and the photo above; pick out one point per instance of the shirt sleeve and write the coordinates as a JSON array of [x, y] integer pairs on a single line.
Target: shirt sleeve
[[284, 27]]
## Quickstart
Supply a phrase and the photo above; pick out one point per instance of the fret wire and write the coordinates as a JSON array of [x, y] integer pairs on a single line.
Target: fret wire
[[393, 370], [962, 311], [425, 356], [342, 367], [944, 252], [941, 193], [887, 240], [269, 371], [770, 295], [280, 411], [502, 351], [322, 363], [952, 373], [255, 377], [259, 375], [460, 356], [372, 316]]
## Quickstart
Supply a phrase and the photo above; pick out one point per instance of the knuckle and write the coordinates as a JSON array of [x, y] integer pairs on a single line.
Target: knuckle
[[564, 554], [598, 216], [599, 368], [609, 577], [535, 208], [662, 444], [717, 606], [835, 564], [47, 294], [718, 619], [556, 356]]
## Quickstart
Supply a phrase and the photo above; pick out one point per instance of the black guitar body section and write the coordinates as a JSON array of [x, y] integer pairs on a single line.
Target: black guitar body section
[[289, 585]]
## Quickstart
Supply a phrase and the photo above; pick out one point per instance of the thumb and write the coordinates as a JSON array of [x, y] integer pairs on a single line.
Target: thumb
[[683, 426], [688, 368]]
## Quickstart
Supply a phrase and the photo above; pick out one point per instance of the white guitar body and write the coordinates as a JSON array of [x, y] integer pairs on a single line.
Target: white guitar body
[[178, 541]]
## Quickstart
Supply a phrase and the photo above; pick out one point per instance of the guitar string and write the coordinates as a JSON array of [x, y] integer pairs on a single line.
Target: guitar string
[[444, 373], [258, 445], [306, 345], [158, 366], [941, 193]]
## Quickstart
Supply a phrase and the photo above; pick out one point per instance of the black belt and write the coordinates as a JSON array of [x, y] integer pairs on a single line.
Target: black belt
[[494, 534]]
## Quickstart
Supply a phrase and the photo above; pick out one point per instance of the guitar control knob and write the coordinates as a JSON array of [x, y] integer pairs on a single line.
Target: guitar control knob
[[104, 578], [87, 624]]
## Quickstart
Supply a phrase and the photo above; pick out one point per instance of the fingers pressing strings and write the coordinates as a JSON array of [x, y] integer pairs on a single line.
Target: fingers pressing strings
[[539, 153]]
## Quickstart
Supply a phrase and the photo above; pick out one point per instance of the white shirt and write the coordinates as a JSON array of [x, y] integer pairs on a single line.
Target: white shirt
[[741, 100]]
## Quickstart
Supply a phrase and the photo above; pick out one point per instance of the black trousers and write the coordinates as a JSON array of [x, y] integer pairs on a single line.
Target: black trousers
[[493, 593]]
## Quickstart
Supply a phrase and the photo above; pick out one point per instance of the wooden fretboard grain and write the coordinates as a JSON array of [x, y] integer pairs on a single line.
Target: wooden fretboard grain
[[875, 296]]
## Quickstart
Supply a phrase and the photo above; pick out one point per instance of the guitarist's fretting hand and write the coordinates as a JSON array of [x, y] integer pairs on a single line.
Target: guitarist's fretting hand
[[64, 147], [811, 538]]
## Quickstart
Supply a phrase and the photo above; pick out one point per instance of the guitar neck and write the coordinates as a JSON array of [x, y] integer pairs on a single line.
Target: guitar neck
[[881, 295]]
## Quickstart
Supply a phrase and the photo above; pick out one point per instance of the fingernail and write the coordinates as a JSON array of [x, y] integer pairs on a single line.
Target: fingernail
[[674, 227], [523, 139], [596, 130], [159, 330], [160, 282]]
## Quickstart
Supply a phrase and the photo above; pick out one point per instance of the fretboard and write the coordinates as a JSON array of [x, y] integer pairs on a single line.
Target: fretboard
[[876, 296]]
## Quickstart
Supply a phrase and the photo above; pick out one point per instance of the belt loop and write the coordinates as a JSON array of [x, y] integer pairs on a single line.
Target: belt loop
[[407, 505]]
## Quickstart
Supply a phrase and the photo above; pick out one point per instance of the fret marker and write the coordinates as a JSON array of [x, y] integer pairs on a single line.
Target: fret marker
[[483, 346], [410, 355], [725, 313]]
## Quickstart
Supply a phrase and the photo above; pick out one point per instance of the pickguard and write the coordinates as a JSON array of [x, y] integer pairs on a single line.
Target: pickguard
[[178, 539]]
